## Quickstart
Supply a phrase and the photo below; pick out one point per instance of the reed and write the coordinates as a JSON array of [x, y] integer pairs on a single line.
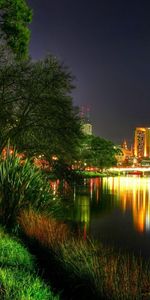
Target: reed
[[96, 271], [47, 230]]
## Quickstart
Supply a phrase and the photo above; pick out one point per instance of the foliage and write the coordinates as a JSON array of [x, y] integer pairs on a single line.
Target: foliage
[[96, 151], [22, 185], [18, 279], [91, 270], [15, 16], [37, 113], [64, 171]]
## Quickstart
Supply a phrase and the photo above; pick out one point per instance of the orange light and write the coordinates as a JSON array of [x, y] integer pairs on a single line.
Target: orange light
[[54, 157]]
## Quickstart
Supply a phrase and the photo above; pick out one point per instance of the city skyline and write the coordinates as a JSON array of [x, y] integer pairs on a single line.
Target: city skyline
[[106, 46]]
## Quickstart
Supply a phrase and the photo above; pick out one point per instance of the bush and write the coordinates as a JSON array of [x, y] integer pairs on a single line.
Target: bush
[[22, 185]]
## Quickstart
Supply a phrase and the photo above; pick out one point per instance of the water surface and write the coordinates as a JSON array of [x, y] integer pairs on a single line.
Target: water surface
[[116, 211]]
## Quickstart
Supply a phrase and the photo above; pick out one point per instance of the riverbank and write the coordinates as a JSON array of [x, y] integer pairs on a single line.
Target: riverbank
[[90, 174], [76, 268], [83, 269], [94, 174]]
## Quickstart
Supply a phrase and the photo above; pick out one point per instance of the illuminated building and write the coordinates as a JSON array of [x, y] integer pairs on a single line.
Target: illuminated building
[[142, 142]]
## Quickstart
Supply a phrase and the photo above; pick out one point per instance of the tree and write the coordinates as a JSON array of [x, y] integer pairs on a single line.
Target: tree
[[15, 17], [96, 151], [36, 112]]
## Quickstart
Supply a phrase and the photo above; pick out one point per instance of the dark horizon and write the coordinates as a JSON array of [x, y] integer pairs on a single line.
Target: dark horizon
[[106, 45]]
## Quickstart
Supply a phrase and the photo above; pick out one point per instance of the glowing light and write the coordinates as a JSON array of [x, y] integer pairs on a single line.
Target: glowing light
[[134, 195], [54, 157], [128, 169]]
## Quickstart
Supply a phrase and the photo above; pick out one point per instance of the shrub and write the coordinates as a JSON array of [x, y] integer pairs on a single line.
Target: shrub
[[22, 185]]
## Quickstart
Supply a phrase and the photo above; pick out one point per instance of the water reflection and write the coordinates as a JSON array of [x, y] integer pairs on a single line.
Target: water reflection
[[118, 212], [129, 194], [82, 213], [96, 194], [133, 195], [114, 210]]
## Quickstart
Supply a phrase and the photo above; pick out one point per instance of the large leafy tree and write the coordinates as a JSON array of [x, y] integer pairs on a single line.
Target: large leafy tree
[[15, 15], [96, 151], [36, 110]]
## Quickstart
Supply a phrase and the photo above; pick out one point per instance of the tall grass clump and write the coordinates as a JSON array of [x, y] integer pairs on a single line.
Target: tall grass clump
[[22, 185], [103, 273], [92, 271], [18, 278], [45, 229]]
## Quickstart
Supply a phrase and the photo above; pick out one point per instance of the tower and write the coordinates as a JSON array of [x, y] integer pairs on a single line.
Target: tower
[[85, 117]]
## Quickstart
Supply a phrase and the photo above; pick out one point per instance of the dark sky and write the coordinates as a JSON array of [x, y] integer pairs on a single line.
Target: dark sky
[[106, 45]]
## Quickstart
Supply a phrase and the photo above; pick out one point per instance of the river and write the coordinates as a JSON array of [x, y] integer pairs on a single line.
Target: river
[[116, 211]]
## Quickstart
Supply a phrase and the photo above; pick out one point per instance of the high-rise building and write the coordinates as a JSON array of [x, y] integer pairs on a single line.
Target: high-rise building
[[87, 127], [142, 142]]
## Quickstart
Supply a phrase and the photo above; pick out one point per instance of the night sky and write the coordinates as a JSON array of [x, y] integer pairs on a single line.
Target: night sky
[[106, 45]]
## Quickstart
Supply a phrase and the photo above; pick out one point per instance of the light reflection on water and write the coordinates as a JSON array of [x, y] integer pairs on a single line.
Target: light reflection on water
[[133, 195], [115, 210]]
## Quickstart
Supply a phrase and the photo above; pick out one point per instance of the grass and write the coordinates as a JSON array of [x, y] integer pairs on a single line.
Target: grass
[[20, 285], [92, 271], [47, 230], [18, 279], [14, 254], [90, 174]]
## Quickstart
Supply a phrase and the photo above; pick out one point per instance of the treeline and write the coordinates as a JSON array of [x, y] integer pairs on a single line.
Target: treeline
[[37, 112]]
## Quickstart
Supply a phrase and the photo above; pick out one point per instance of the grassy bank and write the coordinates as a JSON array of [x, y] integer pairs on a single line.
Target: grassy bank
[[18, 279], [79, 269], [90, 174], [86, 270]]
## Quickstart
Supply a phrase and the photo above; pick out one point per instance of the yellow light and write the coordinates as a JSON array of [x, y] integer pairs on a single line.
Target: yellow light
[[133, 194], [54, 157]]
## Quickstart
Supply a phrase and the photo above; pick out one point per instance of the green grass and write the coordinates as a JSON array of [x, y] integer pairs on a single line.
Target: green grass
[[14, 254], [18, 278], [90, 174], [21, 285]]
